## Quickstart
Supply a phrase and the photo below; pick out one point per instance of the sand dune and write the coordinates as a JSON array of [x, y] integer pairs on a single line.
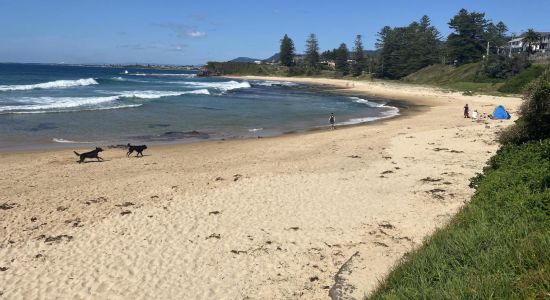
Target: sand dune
[[296, 216]]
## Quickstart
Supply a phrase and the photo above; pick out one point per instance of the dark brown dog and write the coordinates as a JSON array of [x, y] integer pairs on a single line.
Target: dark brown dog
[[139, 149], [91, 154]]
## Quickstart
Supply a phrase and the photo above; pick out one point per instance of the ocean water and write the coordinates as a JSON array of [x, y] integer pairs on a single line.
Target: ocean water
[[45, 105]]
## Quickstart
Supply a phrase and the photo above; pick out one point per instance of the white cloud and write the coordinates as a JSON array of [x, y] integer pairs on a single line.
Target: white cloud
[[196, 33], [183, 30]]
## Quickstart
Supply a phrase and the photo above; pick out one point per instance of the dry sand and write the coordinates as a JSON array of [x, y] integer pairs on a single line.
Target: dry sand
[[295, 216]]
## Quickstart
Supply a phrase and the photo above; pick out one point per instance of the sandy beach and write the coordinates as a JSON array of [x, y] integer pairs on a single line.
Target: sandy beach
[[300, 216]]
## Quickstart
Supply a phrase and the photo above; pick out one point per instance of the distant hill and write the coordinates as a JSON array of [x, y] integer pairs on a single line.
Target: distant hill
[[371, 52], [243, 59], [274, 57]]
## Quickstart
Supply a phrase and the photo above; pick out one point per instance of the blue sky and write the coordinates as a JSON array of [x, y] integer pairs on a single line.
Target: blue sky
[[193, 32]]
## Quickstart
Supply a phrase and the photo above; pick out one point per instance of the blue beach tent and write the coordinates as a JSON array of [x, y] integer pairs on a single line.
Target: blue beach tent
[[501, 113]]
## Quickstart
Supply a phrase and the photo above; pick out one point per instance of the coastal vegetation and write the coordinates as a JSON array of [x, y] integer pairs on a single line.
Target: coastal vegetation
[[286, 55], [473, 77], [497, 245]]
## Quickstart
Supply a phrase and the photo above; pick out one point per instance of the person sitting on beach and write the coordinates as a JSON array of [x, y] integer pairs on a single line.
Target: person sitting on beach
[[466, 111], [474, 115], [332, 120]]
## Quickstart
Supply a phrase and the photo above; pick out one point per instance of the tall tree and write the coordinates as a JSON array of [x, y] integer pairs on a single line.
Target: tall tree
[[286, 54], [342, 56], [329, 54], [468, 41], [358, 57], [404, 50], [312, 51], [531, 38], [496, 35]]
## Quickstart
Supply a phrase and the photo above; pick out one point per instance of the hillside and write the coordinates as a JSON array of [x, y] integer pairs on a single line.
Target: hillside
[[243, 59], [468, 77]]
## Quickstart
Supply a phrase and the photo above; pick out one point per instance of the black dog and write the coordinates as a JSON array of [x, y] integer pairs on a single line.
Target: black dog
[[139, 150], [91, 154]]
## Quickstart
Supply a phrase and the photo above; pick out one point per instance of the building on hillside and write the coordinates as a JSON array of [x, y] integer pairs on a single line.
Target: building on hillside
[[299, 57], [517, 45], [329, 63]]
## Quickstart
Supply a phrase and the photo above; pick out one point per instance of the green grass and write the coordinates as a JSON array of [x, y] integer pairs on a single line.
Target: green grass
[[497, 246], [468, 77], [465, 78], [516, 84], [445, 74]]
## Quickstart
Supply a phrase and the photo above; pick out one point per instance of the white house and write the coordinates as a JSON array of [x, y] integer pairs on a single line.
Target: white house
[[517, 45]]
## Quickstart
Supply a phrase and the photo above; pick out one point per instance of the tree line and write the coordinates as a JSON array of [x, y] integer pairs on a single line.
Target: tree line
[[346, 62], [404, 50]]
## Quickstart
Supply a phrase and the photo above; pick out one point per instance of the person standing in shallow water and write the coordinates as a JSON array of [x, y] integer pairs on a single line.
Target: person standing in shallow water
[[466, 111], [331, 121]]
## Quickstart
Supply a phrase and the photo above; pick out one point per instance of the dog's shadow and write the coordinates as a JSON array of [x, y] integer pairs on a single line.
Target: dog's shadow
[[93, 161], [144, 155]]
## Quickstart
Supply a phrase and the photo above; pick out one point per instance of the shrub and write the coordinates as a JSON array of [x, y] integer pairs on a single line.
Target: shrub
[[503, 66], [517, 84], [534, 114]]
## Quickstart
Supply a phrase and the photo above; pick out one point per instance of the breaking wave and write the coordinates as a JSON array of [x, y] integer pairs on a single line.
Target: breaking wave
[[58, 140], [222, 86], [64, 104], [390, 112], [160, 94], [57, 84], [367, 102], [42, 103], [186, 75], [274, 83]]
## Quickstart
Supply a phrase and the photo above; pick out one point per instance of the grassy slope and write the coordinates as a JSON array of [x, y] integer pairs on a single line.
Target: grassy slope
[[462, 78], [465, 78], [517, 83], [497, 246]]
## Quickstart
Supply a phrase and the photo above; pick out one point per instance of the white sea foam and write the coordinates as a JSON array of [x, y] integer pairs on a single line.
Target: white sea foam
[[255, 129], [148, 94], [160, 94], [272, 83], [186, 75], [58, 140], [199, 92], [72, 110], [43, 103], [222, 86], [388, 113], [366, 102], [49, 85]]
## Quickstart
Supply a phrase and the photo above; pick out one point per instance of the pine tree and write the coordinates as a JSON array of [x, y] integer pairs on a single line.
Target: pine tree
[[358, 57], [286, 54], [312, 51], [404, 50], [468, 41], [341, 62]]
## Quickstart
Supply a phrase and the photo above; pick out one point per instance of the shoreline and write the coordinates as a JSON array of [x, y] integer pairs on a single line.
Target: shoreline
[[269, 218], [405, 107]]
